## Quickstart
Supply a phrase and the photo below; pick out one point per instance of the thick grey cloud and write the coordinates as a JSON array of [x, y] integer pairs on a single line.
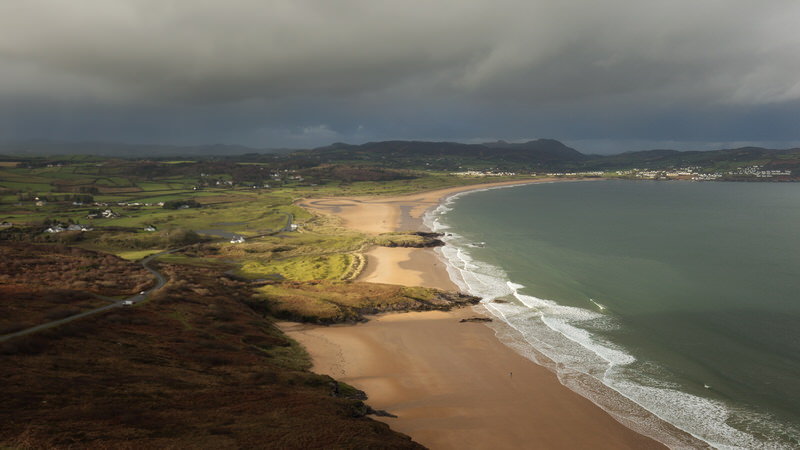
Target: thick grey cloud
[[307, 72]]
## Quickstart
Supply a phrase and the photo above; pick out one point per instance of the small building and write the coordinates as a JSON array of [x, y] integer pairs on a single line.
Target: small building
[[237, 240], [149, 228], [6, 225]]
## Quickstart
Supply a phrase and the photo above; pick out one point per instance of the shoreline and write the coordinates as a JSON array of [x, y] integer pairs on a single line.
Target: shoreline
[[469, 389]]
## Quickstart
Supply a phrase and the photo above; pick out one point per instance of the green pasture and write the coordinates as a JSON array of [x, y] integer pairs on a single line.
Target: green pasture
[[114, 182], [149, 186], [26, 186], [136, 255], [302, 268], [242, 218], [168, 195]]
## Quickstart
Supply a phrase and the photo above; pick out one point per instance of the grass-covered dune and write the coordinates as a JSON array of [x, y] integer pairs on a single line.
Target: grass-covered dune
[[329, 302]]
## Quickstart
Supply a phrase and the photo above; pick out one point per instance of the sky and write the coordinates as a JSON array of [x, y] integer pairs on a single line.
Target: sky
[[603, 76]]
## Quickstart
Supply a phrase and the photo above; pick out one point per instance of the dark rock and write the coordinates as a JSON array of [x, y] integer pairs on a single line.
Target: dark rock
[[476, 319], [379, 412]]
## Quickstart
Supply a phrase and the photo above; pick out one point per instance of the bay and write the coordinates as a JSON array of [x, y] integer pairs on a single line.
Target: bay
[[683, 297]]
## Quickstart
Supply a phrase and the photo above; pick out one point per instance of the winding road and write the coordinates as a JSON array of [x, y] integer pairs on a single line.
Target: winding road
[[130, 301]]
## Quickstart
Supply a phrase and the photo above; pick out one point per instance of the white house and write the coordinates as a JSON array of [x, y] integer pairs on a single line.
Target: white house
[[237, 240]]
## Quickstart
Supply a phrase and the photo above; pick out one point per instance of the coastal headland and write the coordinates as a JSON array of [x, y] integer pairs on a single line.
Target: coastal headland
[[450, 384]]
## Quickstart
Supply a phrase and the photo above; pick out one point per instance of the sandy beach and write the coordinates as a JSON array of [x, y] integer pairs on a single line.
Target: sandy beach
[[450, 384]]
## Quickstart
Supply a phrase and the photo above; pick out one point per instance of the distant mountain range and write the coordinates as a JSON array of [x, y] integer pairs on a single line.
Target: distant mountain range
[[537, 154], [547, 154], [542, 150]]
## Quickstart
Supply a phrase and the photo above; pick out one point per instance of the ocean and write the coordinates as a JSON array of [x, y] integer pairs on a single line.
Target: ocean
[[678, 298]]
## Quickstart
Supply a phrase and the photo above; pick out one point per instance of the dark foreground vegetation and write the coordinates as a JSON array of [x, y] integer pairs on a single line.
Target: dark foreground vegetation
[[195, 367]]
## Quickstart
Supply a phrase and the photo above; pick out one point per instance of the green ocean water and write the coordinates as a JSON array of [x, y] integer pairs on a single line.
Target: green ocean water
[[684, 297]]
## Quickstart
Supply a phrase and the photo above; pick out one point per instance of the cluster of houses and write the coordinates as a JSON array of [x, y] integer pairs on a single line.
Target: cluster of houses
[[483, 173], [102, 204], [598, 173], [655, 174], [697, 174], [107, 214], [706, 176], [760, 172], [219, 182], [73, 227], [40, 202]]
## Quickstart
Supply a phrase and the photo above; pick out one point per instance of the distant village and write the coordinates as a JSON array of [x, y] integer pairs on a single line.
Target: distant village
[[698, 174], [694, 173]]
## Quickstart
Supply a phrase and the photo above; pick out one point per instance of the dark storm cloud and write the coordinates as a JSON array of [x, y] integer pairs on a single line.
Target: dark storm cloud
[[309, 72]]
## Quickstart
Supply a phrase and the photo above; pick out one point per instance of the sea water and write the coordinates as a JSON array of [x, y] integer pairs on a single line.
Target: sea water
[[679, 298]]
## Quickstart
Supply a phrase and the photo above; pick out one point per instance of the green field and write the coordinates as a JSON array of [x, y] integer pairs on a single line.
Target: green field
[[132, 190]]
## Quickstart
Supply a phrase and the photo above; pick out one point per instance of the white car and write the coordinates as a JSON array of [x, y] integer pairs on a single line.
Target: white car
[[128, 303], [141, 293]]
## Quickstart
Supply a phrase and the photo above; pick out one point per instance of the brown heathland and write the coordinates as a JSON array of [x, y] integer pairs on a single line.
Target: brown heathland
[[194, 367]]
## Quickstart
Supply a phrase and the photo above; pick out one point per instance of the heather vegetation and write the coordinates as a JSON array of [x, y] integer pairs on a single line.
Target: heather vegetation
[[72, 268], [194, 368]]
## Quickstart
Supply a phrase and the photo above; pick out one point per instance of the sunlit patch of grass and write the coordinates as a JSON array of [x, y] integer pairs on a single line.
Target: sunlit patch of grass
[[136, 255], [302, 268]]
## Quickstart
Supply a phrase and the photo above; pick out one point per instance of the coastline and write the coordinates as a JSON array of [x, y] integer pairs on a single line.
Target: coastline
[[451, 384]]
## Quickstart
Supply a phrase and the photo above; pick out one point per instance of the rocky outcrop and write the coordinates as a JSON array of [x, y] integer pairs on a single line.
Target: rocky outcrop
[[415, 239], [476, 319]]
